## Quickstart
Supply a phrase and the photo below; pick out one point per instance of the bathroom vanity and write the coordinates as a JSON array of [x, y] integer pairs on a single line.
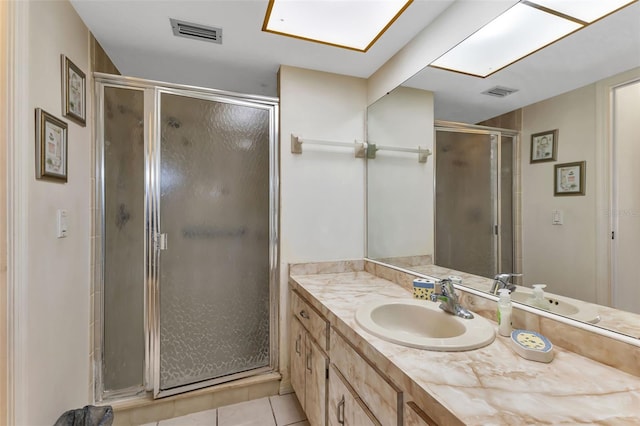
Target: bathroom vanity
[[343, 375]]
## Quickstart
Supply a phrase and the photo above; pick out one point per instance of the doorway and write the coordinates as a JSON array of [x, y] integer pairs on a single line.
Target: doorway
[[187, 214], [625, 208]]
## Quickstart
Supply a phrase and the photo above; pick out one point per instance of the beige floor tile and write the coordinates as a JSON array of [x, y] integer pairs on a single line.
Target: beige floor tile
[[304, 423], [286, 409], [251, 413], [150, 424], [202, 418]]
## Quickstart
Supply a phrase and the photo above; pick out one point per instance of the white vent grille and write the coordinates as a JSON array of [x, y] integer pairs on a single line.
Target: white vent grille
[[196, 31], [499, 91]]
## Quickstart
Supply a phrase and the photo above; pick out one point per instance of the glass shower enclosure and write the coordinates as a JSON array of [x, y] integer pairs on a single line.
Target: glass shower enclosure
[[474, 228], [186, 212]]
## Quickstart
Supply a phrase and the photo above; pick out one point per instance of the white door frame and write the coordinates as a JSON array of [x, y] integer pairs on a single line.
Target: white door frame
[[604, 182], [15, 61]]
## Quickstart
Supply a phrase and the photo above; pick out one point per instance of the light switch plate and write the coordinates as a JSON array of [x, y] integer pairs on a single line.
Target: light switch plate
[[557, 217], [63, 224]]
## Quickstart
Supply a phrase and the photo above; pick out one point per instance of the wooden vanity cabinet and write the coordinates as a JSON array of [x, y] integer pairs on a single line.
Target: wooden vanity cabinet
[[345, 408], [414, 416], [335, 384], [308, 361], [376, 392]]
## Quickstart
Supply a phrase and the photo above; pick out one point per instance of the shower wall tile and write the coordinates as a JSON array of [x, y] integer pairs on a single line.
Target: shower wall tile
[[160, 411], [194, 404]]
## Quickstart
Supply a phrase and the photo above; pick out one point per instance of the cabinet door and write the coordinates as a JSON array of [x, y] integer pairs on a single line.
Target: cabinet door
[[414, 416], [297, 359], [344, 406], [316, 383]]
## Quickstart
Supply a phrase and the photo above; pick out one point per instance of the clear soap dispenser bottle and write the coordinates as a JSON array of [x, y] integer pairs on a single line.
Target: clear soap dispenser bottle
[[538, 296], [504, 312]]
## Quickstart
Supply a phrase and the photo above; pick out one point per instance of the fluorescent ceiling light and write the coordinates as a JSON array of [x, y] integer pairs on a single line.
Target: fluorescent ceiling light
[[584, 10], [516, 33], [352, 24]]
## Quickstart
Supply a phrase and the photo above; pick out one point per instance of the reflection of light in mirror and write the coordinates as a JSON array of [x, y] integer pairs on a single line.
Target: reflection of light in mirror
[[584, 10], [170, 178], [245, 144], [218, 190], [516, 33]]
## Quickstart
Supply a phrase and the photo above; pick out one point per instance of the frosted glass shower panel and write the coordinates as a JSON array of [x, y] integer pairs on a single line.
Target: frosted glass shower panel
[[124, 225], [214, 273], [466, 191]]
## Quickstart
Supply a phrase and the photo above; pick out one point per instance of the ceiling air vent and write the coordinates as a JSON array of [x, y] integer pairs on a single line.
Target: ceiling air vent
[[197, 31], [499, 91]]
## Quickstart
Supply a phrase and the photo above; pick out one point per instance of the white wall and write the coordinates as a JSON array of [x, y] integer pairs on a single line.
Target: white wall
[[322, 189], [400, 189], [54, 342], [561, 256]]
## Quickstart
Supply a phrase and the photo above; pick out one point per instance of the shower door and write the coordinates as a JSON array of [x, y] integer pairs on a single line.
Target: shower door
[[212, 246], [473, 207], [186, 247]]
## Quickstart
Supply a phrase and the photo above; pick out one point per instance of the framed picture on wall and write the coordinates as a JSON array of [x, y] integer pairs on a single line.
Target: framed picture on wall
[[73, 92], [51, 147], [569, 178], [544, 146]]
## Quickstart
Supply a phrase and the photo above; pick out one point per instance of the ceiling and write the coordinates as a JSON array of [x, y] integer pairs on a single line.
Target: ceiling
[[137, 35]]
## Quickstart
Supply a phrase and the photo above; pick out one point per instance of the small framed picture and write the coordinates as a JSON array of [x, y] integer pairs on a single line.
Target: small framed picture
[[569, 178], [73, 92], [51, 147], [544, 146]]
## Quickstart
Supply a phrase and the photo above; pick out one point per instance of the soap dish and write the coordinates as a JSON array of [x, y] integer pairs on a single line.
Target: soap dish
[[531, 345]]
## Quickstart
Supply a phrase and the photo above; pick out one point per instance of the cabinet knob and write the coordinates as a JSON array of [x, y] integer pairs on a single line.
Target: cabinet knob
[[304, 314]]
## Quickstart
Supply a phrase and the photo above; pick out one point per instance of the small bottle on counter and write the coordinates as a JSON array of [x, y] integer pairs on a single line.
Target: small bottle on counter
[[504, 312]]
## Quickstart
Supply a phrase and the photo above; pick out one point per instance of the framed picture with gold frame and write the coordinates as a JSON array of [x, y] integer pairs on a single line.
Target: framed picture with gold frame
[[544, 146], [569, 178], [51, 147], [74, 95]]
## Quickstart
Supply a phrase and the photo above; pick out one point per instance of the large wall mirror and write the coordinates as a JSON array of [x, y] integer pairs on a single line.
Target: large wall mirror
[[485, 202]]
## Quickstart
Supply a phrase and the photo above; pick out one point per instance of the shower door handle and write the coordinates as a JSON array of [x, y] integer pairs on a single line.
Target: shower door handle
[[161, 241]]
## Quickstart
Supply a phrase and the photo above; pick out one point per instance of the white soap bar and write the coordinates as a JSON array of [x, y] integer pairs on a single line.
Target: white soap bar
[[531, 345]]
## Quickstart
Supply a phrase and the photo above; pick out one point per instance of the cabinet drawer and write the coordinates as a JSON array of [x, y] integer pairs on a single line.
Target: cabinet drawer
[[380, 396], [311, 319], [414, 416], [345, 408]]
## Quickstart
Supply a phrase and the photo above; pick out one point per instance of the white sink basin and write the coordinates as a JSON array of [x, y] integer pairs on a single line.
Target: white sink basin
[[422, 324], [559, 305]]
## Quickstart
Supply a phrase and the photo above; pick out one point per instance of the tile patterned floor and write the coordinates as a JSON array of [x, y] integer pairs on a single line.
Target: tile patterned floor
[[279, 410]]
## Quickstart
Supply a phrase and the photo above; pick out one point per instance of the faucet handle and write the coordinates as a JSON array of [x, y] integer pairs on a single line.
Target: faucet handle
[[447, 289], [504, 277]]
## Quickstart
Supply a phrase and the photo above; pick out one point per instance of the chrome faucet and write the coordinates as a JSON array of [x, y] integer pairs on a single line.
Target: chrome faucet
[[501, 281], [449, 299]]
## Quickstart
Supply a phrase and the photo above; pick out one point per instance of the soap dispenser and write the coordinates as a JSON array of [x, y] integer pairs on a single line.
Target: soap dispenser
[[504, 312], [537, 299]]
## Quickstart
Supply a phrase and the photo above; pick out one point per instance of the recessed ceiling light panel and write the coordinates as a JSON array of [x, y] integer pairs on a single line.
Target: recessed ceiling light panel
[[584, 10], [516, 33], [352, 24]]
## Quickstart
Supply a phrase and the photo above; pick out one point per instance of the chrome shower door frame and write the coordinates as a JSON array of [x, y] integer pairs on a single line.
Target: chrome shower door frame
[[496, 186], [152, 92]]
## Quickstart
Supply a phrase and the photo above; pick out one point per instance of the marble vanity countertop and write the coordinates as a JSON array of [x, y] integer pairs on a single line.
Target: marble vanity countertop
[[487, 386]]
